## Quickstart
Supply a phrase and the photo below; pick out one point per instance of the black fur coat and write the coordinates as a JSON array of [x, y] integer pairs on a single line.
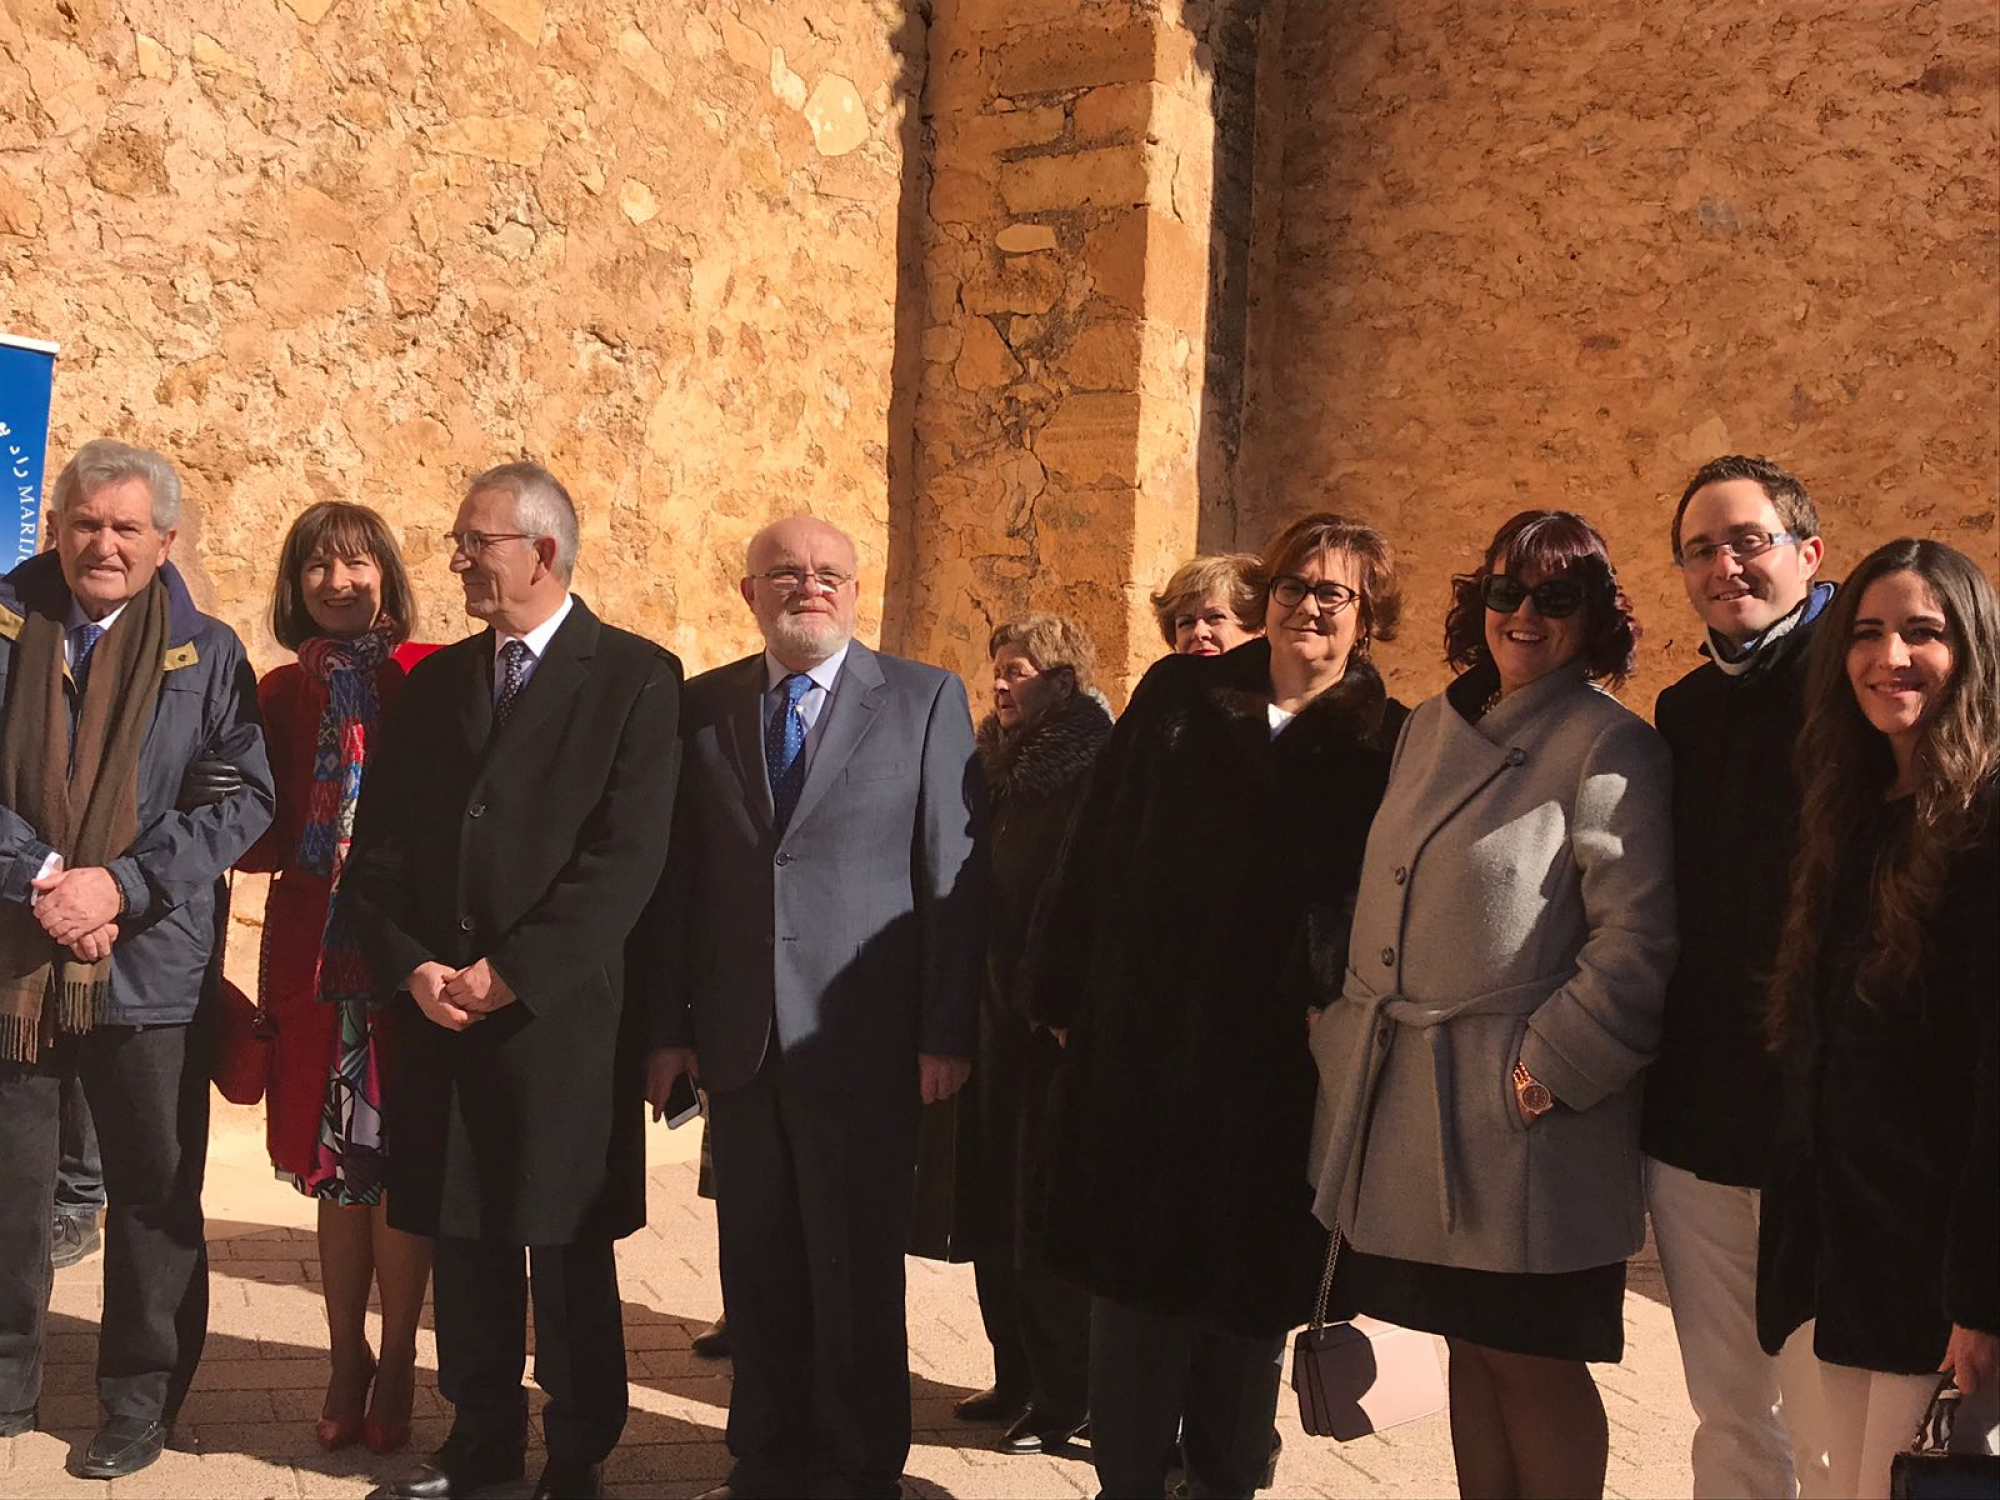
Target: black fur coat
[[980, 1153], [1166, 945]]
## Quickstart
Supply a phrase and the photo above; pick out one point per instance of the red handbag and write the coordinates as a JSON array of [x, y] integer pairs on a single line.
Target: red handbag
[[244, 1030], [243, 1037]]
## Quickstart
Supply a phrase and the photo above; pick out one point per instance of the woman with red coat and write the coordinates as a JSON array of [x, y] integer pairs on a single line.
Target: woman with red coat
[[343, 603]]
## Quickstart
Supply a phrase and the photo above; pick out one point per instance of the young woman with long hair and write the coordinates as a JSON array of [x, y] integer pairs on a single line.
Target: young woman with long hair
[[1879, 1265]]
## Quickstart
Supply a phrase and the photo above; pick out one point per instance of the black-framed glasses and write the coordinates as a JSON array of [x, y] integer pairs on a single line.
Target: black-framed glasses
[[472, 543], [786, 581], [1290, 591], [1554, 597], [1699, 556]]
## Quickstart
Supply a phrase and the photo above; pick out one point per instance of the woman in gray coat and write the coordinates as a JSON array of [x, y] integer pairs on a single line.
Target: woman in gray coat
[[1477, 1137]]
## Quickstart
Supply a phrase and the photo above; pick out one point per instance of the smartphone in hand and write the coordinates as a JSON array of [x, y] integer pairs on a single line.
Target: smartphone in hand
[[683, 1103]]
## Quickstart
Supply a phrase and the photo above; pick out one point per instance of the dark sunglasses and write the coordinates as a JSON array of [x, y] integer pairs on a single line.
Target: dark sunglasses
[[1554, 597]]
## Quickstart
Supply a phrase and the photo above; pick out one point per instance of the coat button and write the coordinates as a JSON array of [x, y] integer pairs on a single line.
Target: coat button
[[1389, 957], [1382, 1034], [476, 810], [770, 941], [784, 858], [1517, 757], [1402, 874], [465, 924]]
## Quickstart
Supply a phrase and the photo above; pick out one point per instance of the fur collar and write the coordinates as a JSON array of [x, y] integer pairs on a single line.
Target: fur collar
[[1046, 757], [1239, 684]]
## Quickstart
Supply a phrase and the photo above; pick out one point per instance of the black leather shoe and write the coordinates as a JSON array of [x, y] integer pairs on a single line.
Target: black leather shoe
[[713, 1341], [14, 1423], [123, 1445], [1036, 1432], [456, 1470], [567, 1479], [990, 1405], [74, 1237]]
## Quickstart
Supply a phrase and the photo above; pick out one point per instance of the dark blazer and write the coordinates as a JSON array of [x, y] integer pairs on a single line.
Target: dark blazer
[[1712, 1093], [533, 847], [855, 940], [1202, 853], [1881, 1213], [170, 873]]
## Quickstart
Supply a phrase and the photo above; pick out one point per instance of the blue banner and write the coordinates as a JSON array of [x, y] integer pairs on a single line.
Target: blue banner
[[27, 377]]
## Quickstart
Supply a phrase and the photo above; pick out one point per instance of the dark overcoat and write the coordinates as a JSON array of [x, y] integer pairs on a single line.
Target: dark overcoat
[[980, 1158], [1712, 1093], [1881, 1213], [534, 846], [1204, 848]]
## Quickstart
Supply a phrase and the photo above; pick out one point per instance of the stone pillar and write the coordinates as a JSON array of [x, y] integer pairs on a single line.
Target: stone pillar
[[1067, 289]]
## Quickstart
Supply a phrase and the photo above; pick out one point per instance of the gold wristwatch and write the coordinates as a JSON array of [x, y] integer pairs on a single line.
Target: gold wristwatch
[[1534, 1095]]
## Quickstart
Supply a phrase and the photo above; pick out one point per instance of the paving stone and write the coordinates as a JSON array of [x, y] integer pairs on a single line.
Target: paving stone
[[247, 1428]]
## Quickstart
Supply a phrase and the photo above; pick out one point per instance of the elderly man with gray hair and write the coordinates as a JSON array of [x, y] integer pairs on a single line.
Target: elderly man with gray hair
[[509, 832], [116, 694]]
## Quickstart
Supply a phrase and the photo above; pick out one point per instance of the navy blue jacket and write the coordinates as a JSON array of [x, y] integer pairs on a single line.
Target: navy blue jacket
[[207, 706]]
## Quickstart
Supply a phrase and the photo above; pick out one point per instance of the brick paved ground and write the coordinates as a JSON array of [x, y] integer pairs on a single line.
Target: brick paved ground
[[247, 1428]]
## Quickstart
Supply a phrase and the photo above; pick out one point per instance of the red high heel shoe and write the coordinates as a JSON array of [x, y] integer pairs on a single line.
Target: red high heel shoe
[[334, 1434], [392, 1434]]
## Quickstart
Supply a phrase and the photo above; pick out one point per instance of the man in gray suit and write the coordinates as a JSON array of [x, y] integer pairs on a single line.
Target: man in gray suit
[[815, 951]]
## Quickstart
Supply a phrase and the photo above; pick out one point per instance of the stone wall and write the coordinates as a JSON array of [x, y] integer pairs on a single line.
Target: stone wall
[[350, 249], [1066, 292], [1562, 256]]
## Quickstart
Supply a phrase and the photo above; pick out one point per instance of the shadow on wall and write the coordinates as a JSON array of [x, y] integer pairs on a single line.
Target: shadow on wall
[[1233, 41], [911, 41]]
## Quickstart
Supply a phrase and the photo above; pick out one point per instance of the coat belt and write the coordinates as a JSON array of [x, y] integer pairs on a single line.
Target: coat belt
[[1390, 1016]]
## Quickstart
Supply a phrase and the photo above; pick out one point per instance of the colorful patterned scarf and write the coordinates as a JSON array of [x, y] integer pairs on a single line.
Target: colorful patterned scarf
[[347, 670]]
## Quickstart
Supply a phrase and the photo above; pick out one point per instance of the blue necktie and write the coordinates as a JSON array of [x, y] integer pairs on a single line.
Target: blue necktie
[[785, 750], [87, 637], [513, 676]]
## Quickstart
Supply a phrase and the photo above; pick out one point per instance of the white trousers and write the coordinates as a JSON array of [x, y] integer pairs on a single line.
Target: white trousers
[[1847, 1424], [1706, 1233]]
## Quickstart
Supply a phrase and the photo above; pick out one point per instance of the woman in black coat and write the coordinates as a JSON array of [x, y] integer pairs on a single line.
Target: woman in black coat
[[1036, 750], [1229, 810], [1880, 1257]]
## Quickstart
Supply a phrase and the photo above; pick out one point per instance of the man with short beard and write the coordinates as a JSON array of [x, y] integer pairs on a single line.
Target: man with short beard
[[816, 950], [1746, 539]]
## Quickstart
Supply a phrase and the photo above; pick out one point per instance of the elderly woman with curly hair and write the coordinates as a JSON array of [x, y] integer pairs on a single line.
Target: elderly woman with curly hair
[[1212, 604], [1477, 1141], [1036, 749]]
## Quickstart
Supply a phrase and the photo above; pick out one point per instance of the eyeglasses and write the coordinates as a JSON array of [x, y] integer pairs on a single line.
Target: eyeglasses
[[788, 581], [1290, 591], [472, 543], [1743, 546], [1554, 598]]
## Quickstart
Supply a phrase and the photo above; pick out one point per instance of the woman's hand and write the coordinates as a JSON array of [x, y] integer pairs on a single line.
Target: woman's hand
[[1972, 1359]]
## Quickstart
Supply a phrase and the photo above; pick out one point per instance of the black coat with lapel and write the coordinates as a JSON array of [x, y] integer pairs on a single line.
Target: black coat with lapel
[[535, 847]]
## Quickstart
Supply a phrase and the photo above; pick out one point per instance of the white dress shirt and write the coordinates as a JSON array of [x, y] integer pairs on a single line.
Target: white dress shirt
[[537, 642], [77, 620], [812, 706]]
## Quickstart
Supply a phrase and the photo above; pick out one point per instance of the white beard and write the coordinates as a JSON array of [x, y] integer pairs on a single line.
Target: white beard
[[807, 638]]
